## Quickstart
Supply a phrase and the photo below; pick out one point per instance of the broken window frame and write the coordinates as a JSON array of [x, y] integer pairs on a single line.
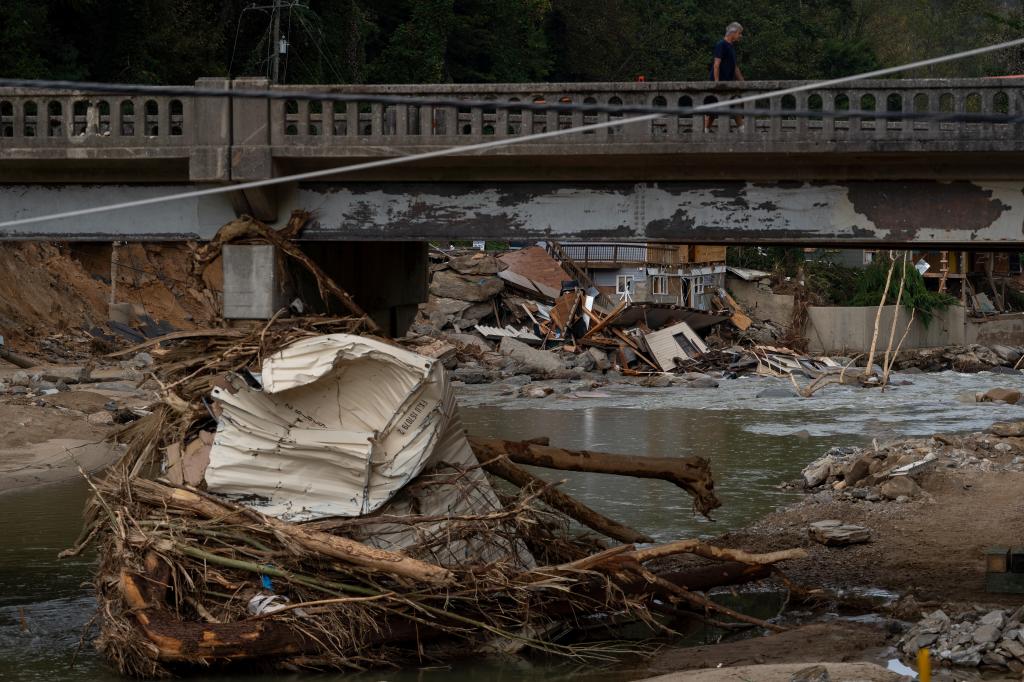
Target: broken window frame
[[659, 285], [626, 280]]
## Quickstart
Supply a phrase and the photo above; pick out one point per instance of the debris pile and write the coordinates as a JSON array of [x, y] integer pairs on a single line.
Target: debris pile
[[304, 496], [524, 313], [889, 473], [991, 640], [966, 359]]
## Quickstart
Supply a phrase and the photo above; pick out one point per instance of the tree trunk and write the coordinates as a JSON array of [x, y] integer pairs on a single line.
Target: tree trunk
[[502, 468], [692, 474], [869, 370]]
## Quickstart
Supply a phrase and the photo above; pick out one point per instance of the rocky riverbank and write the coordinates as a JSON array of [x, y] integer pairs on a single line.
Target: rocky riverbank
[[931, 508]]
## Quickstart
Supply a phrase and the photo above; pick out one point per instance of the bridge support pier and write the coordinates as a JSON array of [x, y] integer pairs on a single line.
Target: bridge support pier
[[387, 279]]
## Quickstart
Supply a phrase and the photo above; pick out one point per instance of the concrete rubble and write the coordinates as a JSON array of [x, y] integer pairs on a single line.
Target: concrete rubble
[[992, 640], [890, 472], [838, 534]]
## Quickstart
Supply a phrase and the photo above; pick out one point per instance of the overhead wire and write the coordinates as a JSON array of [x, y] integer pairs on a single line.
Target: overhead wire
[[727, 106]]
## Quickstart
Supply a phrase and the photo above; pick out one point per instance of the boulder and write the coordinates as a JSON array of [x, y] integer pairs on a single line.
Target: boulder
[[900, 486], [834, 533], [21, 379], [1008, 355], [657, 381], [777, 393], [706, 382], [1006, 395], [475, 264], [536, 391], [601, 361], [585, 361], [531, 358], [1007, 429], [996, 618], [473, 288], [987, 634], [1012, 647], [859, 470], [469, 341], [818, 471], [446, 306], [476, 312]]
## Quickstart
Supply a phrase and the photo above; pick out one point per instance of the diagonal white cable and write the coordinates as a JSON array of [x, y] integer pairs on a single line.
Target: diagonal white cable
[[504, 142]]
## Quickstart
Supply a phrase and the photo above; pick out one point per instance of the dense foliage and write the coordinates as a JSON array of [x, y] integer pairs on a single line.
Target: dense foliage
[[431, 41], [871, 285]]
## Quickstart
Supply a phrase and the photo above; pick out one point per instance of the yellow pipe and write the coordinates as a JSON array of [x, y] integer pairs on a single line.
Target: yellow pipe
[[924, 665]]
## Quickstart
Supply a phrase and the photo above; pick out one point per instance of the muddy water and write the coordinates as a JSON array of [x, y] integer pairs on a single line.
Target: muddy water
[[754, 444]]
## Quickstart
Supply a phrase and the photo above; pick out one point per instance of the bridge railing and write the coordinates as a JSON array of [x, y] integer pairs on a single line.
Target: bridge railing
[[324, 124], [40, 118], [176, 126]]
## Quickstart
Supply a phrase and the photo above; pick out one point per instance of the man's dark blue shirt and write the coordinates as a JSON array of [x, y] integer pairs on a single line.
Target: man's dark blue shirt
[[727, 53]]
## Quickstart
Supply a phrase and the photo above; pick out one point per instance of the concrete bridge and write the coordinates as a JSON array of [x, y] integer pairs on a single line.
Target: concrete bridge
[[819, 180]]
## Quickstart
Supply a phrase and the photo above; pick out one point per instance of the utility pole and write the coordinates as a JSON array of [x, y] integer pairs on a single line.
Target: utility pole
[[276, 43]]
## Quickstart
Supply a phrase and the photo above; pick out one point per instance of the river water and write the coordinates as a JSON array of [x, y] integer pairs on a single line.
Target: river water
[[754, 444]]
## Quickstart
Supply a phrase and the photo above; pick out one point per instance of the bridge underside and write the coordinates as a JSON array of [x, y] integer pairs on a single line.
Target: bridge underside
[[983, 214]]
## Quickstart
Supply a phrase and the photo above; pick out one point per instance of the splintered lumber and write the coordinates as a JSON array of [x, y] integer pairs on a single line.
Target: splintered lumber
[[692, 474], [739, 318], [624, 337], [618, 310], [502, 468], [315, 541]]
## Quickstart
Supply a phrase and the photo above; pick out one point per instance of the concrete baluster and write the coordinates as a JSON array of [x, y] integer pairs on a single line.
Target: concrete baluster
[[377, 119]]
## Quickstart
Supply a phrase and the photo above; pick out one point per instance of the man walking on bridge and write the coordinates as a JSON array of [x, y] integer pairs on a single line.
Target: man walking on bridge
[[724, 67]]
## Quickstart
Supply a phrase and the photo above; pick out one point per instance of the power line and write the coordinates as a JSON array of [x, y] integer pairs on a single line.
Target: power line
[[483, 146]]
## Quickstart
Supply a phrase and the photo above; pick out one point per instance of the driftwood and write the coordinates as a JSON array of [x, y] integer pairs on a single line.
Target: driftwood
[[711, 552], [315, 541], [502, 468], [16, 360], [692, 474]]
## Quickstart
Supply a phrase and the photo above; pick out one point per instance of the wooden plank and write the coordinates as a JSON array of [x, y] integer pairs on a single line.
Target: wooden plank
[[739, 318], [619, 309]]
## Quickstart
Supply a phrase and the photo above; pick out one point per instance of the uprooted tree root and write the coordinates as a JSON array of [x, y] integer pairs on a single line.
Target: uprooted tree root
[[190, 579]]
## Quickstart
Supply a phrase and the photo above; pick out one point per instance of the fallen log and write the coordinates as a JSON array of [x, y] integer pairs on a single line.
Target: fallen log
[[315, 541], [707, 551], [692, 474], [502, 468], [16, 360], [706, 578]]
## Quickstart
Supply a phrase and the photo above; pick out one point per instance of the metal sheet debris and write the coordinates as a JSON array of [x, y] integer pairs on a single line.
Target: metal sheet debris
[[342, 424]]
